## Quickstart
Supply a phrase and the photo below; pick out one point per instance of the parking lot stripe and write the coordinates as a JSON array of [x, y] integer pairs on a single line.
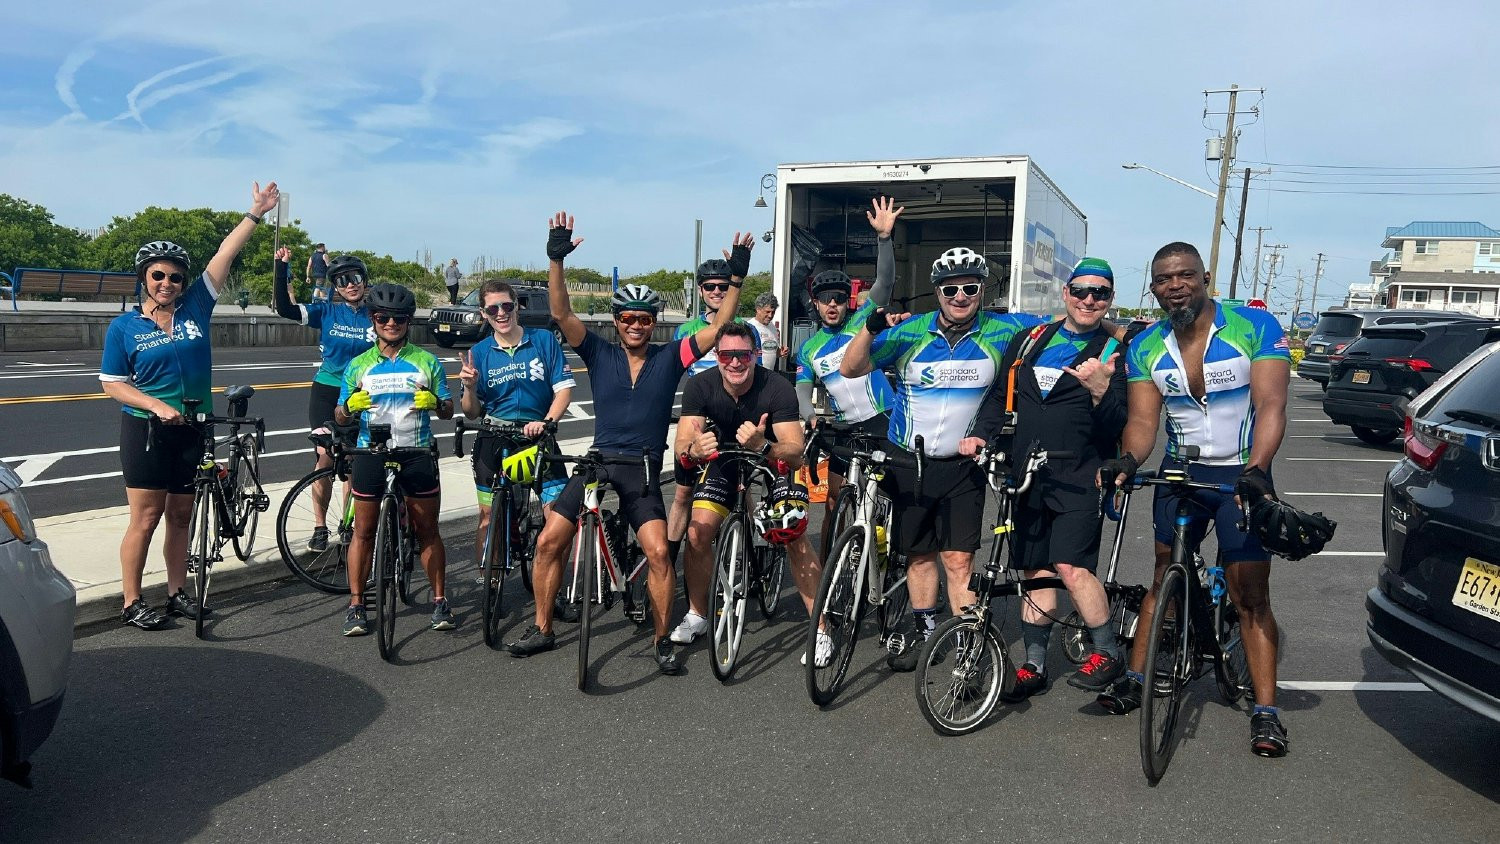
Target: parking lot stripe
[[1350, 554], [1339, 494], [1347, 459], [1358, 686]]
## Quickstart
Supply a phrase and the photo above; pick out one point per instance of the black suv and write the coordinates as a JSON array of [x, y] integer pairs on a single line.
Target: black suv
[[451, 323], [1336, 329], [1435, 610], [1394, 363]]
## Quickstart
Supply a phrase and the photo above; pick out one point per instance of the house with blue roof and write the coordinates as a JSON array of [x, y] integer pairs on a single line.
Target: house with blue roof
[[1439, 265]]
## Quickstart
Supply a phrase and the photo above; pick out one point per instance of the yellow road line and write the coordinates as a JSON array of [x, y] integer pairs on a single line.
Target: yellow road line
[[88, 396]]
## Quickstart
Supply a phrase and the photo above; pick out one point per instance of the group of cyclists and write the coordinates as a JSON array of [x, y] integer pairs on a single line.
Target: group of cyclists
[[956, 381]]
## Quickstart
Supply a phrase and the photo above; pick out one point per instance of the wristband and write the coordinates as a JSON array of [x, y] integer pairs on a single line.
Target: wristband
[[252, 218], [686, 461]]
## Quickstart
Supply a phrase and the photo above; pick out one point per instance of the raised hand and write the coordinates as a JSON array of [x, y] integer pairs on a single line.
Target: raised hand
[[284, 255], [883, 220], [739, 256], [1095, 374], [263, 200], [467, 374], [752, 435], [560, 240]]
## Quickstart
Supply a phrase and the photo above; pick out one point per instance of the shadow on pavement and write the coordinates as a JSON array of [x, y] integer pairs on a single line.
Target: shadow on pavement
[[153, 739]]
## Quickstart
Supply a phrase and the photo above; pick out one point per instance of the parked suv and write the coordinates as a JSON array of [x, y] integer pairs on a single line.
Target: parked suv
[[451, 323], [1435, 610], [36, 634], [1337, 329], [1396, 362]]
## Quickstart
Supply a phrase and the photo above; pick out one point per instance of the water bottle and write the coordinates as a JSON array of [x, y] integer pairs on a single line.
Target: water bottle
[[881, 546], [225, 486]]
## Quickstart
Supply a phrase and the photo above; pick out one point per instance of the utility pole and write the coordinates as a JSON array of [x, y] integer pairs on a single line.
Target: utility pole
[[1275, 265], [1239, 237], [697, 259], [1226, 158], [1317, 276], [1255, 283], [1297, 307]]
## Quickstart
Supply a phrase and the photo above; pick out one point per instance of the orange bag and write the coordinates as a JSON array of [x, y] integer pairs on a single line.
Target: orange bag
[[816, 493]]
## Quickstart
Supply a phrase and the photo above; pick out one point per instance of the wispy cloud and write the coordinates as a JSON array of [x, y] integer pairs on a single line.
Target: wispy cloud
[[135, 105]]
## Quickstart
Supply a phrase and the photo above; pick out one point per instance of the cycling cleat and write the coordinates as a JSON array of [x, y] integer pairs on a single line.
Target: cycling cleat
[[354, 621], [1097, 673], [564, 610], [1267, 736], [668, 661], [442, 616], [143, 615], [184, 605], [318, 543], [823, 654], [1121, 698], [906, 659], [533, 641], [1031, 681], [693, 625]]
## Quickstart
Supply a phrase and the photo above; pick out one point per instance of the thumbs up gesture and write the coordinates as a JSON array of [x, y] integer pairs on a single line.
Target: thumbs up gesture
[[752, 435]]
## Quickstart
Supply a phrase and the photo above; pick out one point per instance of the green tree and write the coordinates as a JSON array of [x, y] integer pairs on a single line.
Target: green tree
[[755, 284], [29, 238]]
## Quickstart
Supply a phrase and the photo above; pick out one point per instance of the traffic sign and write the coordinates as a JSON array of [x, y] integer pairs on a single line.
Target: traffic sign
[[1234, 303], [1304, 320], [1256, 303]]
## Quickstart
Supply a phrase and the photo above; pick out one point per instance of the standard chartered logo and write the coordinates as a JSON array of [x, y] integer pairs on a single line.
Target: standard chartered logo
[[538, 372], [955, 374], [929, 376]]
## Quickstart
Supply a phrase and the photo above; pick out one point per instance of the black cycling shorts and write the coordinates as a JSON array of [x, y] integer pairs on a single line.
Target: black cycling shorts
[[947, 515], [487, 448], [1044, 537], [876, 426], [1235, 545], [168, 464], [639, 503], [715, 486], [321, 401], [418, 477]]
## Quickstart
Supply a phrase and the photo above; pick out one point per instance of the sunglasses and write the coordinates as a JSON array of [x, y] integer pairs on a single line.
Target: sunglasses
[[709, 287], [637, 319], [950, 291], [495, 309], [399, 319], [1098, 291], [348, 280], [175, 278], [832, 297], [731, 355]]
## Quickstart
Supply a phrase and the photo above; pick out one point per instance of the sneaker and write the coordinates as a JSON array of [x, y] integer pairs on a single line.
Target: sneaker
[[354, 621], [184, 605], [1097, 673], [823, 653], [565, 611], [319, 541], [693, 625], [667, 659], [905, 660], [442, 617], [1121, 698], [1267, 735], [533, 641], [1031, 681], [143, 615]]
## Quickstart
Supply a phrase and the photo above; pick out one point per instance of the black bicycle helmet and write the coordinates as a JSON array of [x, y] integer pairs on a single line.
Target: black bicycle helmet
[[161, 250], [1288, 532], [346, 264], [713, 268], [834, 280], [391, 299]]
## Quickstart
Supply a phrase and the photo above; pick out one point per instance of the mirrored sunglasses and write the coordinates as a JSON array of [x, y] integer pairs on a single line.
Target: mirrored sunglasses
[[636, 319], [833, 297], [732, 355], [348, 279], [495, 309]]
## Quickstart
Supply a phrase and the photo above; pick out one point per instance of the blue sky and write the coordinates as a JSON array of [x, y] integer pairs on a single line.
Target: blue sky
[[457, 127]]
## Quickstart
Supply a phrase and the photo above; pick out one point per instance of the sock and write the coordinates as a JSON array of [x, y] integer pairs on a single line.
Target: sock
[[1104, 640], [673, 546], [1273, 711], [924, 621], [1036, 637]]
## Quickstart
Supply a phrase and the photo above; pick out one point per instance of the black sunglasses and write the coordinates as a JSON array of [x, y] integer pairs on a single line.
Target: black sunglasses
[[721, 287], [835, 297], [495, 309], [949, 291], [348, 279], [1100, 292], [399, 319], [175, 278]]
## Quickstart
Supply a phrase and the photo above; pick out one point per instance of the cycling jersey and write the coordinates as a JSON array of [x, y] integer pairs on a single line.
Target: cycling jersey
[[632, 418], [1222, 425], [708, 361], [343, 332], [169, 368], [1061, 351], [851, 399], [939, 387], [393, 384], [518, 384]]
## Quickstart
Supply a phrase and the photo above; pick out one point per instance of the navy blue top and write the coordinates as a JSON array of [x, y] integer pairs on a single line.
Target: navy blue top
[[631, 419]]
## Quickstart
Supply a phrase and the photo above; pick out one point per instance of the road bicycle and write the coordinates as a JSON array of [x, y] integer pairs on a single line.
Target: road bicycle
[[516, 517], [315, 522], [227, 499], [1124, 602], [395, 544], [859, 571]]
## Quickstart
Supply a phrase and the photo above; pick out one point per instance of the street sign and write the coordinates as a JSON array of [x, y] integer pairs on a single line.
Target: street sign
[[1234, 303], [1256, 303], [1304, 321]]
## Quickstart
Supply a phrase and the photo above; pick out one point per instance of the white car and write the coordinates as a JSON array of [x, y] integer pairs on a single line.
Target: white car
[[36, 634]]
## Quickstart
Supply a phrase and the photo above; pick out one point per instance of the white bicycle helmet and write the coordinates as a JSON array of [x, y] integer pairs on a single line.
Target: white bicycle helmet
[[960, 262], [635, 297]]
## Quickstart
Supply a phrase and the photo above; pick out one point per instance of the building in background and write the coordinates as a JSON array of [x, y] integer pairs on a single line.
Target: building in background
[[1443, 266]]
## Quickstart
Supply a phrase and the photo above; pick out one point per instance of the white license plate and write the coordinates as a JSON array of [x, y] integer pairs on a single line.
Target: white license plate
[[1360, 376], [1319, 348], [445, 328], [1478, 589]]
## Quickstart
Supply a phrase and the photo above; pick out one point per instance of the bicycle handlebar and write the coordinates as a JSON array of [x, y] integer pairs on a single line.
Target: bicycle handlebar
[[498, 427], [1176, 478]]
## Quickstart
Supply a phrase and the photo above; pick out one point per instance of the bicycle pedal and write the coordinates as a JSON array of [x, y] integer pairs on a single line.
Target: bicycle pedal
[[262, 503], [895, 644]]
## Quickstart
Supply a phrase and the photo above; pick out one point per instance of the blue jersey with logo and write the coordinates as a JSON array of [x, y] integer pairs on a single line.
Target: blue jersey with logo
[[631, 418], [1061, 351], [344, 332], [939, 386], [393, 384], [166, 367], [708, 360], [518, 384], [852, 399], [1222, 425]]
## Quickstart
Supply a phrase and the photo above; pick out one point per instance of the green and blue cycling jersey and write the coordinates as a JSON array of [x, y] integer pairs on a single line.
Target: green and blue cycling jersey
[[1222, 425], [851, 399], [167, 367], [1060, 352], [709, 361], [393, 384], [939, 386]]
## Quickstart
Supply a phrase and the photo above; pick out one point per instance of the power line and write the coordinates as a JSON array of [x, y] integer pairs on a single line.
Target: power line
[[1380, 192], [1376, 167]]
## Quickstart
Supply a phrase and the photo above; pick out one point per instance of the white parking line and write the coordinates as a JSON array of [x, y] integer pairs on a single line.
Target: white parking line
[[1358, 686], [1338, 494], [1322, 437], [1350, 554], [1346, 459]]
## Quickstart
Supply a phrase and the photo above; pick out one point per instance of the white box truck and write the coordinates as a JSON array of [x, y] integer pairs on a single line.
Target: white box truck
[[1002, 206]]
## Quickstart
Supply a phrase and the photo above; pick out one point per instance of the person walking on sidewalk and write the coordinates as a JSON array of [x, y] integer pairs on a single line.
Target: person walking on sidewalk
[[155, 357], [317, 272], [452, 275]]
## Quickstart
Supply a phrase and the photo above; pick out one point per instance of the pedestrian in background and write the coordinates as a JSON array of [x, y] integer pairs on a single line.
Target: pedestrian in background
[[764, 322], [451, 276], [317, 271]]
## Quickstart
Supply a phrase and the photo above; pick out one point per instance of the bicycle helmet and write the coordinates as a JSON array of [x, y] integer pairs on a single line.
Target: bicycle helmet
[[635, 297], [391, 299], [520, 467], [714, 268], [959, 262], [782, 515], [835, 280], [1288, 532], [346, 264], [161, 250]]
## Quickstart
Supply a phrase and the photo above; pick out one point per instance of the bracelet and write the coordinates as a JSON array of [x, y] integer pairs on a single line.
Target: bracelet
[[687, 461], [252, 218], [736, 284]]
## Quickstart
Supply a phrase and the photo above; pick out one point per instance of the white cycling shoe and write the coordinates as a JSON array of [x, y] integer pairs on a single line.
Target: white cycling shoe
[[824, 653], [693, 625]]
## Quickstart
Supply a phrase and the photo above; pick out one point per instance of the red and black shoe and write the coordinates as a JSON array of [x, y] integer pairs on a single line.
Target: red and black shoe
[[1267, 735], [1097, 673], [1031, 680]]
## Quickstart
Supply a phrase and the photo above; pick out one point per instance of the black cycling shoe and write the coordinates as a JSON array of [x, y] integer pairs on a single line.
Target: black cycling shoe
[[533, 641], [184, 605], [668, 661], [318, 543], [1122, 697], [1097, 673], [143, 615], [1031, 681], [1267, 735], [565, 611]]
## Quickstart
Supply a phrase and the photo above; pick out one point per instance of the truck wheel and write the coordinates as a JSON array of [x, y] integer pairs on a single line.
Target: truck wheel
[[444, 340], [1374, 437]]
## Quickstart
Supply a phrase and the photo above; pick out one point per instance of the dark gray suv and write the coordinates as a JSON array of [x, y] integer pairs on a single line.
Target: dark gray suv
[[452, 323]]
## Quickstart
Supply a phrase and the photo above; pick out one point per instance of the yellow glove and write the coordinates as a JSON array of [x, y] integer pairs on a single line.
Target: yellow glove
[[424, 400], [357, 403]]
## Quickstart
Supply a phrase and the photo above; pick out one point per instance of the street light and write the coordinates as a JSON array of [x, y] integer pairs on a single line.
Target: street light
[[1188, 185], [767, 182]]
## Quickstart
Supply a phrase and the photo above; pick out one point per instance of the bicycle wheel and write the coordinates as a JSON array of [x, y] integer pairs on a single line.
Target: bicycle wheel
[[202, 529], [726, 596], [637, 602], [961, 674], [843, 514], [319, 560], [837, 613], [405, 568], [1231, 667], [769, 575], [492, 574], [1076, 643], [387, 559], [587, 572], [1169, 665], [246, 504], [895, 603], [528, 510]]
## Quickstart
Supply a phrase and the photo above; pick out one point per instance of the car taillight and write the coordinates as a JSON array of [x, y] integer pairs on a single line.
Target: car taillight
[[1423, 450], [1338, 348], [1333, 359], [1413, 364]]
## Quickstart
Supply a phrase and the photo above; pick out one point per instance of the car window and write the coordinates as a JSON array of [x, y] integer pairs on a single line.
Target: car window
[[1338, 325], [471, 300], [1386, 344], [1475, 390]]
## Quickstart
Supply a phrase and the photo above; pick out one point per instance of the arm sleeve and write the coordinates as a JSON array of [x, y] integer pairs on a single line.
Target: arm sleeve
[[1135, 363], [285, 307], [688, 351], [885, 272], [1111, 413], [804, 399]]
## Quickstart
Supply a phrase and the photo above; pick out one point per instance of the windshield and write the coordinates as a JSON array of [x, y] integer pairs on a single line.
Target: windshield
[[1338, 325], [1393, 345], [1475, 393]]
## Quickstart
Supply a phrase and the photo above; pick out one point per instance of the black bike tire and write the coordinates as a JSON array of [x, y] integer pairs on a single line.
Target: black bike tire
[[247, 489], [587, 572], [733, 611], [336, 584], [770, 580], [203, 527], [841, 570], [1156, 751], [1076, 643], [528, 537], [1231, 689], [932, 668], [406, 566], [387, 552], [842, 514], [494, 552]]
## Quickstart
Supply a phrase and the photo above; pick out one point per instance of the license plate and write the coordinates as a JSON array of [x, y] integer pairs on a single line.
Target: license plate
[[1361, 376], [1478, 589], [445, 328], [1319, 348]]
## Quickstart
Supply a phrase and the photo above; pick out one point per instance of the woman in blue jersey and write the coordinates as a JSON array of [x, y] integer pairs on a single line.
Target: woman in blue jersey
[[344, 332], [155, 357]]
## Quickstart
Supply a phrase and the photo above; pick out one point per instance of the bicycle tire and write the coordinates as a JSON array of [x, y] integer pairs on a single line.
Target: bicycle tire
[[326, 570], [1170, 658], [637, 598], [1076, 643], [836, 611], [387, 551], [1231, 666], [726, 596], [770, 576], [895, 604], [586, 568], [957, 699], [406, 565], [246, 493], [495, 551], [203, 526], [844, 505], [527, 506]]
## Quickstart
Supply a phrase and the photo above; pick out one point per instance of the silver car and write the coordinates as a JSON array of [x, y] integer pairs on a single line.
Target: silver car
[[36, 634]]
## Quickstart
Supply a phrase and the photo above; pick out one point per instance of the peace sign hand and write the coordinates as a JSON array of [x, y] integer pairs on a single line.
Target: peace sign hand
[[466, 371]]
